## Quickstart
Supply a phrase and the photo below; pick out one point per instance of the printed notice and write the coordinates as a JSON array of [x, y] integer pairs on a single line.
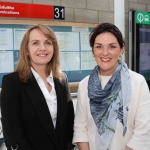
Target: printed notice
[[18, 36], [68, 41], [6, 61], [144, 67], [80, 29], [69, 61], [144, 57], [6, 39], [87, 61], [85, 41]]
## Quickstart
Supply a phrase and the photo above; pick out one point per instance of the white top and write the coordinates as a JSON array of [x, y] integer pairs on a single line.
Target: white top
[[50, 97], [137, 136], [104, 80]]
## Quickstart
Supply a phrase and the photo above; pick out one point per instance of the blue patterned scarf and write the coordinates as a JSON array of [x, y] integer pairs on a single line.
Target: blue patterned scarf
[[111, 103]]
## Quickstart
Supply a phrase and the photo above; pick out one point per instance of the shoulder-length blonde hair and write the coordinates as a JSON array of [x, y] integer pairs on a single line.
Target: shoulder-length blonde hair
[[23, 66]]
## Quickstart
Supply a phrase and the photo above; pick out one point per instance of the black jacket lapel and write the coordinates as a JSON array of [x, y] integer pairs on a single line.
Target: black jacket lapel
[[61, 112], [37, 98]]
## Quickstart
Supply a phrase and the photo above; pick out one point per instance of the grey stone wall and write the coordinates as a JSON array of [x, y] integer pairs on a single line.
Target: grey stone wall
[[93, 11], [85, 11]]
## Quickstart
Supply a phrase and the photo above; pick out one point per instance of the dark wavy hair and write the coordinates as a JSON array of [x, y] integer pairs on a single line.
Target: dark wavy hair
[[106, 27]]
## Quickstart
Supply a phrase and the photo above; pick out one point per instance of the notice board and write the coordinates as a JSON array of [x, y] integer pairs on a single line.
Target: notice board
[[76, 56]]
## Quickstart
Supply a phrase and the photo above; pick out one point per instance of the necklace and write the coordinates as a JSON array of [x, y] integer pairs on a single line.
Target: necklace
[[48, 83]]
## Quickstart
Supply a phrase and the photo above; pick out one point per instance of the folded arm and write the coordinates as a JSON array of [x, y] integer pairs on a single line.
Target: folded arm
[[83, 145], [80, 126], [141, 138]]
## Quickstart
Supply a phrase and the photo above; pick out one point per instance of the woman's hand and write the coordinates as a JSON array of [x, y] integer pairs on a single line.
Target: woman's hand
[[83, 145]]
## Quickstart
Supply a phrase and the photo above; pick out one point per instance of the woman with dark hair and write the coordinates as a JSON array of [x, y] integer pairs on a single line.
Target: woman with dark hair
[[37, 111], [113, 108]]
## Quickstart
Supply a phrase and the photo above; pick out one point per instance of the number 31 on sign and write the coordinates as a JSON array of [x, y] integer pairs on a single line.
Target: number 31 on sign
[[59, 12]]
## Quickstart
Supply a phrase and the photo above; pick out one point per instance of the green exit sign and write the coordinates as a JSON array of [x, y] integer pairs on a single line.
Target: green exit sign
[[142, 17]]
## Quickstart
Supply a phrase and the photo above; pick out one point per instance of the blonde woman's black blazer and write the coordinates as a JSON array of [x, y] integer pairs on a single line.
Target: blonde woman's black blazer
[[26, 119]]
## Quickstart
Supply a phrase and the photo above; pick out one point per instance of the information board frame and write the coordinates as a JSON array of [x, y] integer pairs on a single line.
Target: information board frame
[[76, 27], [139, 33]]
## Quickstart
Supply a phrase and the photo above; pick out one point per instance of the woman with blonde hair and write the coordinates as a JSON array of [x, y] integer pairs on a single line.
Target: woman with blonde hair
[[37, 111]]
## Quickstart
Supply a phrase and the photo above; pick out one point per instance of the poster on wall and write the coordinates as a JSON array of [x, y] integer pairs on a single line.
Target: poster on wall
[[6, 36], [18, 35], [87, 61], [70, 61], [68, 41], [144, 50], [6, 61], [84, 38], [76, 57]]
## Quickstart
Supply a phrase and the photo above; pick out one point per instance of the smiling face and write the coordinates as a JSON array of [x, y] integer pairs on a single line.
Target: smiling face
[[107, 51], [40, 49]]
